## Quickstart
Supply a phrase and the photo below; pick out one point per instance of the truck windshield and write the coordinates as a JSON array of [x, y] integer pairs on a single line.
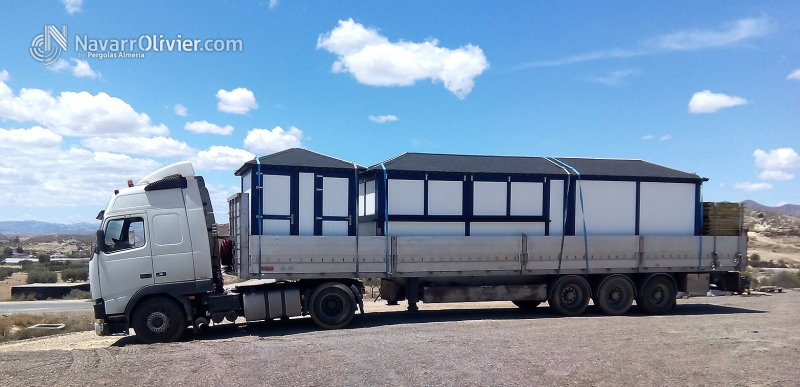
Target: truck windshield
[[125, 233]]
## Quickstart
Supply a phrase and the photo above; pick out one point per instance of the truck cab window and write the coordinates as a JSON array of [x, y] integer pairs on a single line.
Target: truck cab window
[[125, 233]]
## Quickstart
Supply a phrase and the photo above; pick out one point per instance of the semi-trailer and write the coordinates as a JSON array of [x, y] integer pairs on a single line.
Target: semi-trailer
[[433, 228]]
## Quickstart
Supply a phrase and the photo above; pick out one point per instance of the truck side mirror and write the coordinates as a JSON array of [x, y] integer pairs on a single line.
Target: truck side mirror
[[101, 241]]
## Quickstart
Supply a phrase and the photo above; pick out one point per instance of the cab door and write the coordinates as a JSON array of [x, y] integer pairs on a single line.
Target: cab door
[[125, 263]]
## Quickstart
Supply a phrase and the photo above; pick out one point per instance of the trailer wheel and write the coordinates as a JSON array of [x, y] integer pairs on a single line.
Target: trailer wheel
[[159, 320], [526, 304], [332, 305], [657, 296], [570, 295], [615, 295]]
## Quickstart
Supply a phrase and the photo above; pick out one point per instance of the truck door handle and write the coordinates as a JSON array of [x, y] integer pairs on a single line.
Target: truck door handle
[[145, 275], [291, 219], [161, 274]]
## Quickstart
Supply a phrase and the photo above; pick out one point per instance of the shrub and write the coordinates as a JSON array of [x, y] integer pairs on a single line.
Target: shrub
[[43, 258], [75, 274], [6, 272], [783, 279], [77, 294], [42, 276], [25, 262]]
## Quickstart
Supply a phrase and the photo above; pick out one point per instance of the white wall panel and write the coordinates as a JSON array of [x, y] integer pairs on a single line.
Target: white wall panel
[[505, 229], [556, 207], [489, 198], [335, 196], [334, 228], [527, 198], [305, 217], [369, 205], [277, 193], [275, 227], [361, 189], [406, 197], [247, 182], [666, 209], [445, 197], [426, 229], [610, 207]]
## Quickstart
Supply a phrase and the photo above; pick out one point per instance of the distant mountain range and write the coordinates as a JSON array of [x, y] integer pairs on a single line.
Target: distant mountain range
[[786, 209], [33, 227]]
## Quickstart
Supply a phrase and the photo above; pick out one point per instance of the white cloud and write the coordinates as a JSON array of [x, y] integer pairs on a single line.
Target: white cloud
[[81, 69], [4, 77], [707, 102], [154, 147], [781, 159], [273, 4], [795, 75], [77, 114], [648, 137], [221, 158], [737, 32], [375, 61], [776, 164], [72, 6], [207, 127], [237, 101], [615, 78], [750, 187], [181, 110], [382, 119], [775, 175], [696, 39], [36, 171], [265, 141], [665, 137]]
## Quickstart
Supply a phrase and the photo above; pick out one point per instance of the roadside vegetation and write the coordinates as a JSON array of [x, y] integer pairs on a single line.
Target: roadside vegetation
[[17, 326]]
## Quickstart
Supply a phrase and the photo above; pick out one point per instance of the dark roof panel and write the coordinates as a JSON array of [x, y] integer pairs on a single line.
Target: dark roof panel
[[298, 157], [623, 168], [427, 162], [594, 168]]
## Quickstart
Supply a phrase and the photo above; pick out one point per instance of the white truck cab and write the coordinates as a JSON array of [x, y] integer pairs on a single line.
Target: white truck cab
[[150, 243]]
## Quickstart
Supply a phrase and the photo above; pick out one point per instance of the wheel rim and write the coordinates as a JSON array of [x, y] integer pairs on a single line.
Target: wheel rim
[[332, 305], [614, 295], [158, 322], [657, 295], [570, 295]]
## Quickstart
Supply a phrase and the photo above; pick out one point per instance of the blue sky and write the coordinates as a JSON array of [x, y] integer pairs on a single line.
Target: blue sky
[[697, 86]]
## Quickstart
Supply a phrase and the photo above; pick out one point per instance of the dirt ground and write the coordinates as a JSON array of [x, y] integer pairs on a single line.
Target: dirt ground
[[17, 278], [720, 341]]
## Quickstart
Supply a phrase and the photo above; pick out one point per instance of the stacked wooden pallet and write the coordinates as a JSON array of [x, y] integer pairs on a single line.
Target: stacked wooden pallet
[[722, 218]]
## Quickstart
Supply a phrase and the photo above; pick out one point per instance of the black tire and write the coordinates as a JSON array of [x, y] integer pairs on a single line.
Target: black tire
[[526, 304], [569, 296], [657, 296], [333, 305], [159, 320], [615, 295]]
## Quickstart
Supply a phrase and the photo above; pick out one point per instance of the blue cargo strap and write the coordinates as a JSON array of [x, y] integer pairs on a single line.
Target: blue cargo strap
[[564, 205], [386, 216], [358, 202], [583, 213], [260, 190]]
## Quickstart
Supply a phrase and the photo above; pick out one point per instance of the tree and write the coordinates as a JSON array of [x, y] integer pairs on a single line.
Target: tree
[[16, 239], [8, 251], [20, 250], [43, 258]]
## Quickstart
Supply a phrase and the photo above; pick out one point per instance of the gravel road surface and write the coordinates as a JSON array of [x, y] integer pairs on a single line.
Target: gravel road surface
[[722, 341]]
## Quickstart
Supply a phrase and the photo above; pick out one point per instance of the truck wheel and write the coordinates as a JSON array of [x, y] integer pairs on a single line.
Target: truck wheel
[[159, 320], [615, 295], [570, 295], [658, 295], [526, 304], [332, 305]]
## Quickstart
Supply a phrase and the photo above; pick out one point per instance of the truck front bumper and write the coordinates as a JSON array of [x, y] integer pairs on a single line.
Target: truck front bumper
[[104, 324]]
